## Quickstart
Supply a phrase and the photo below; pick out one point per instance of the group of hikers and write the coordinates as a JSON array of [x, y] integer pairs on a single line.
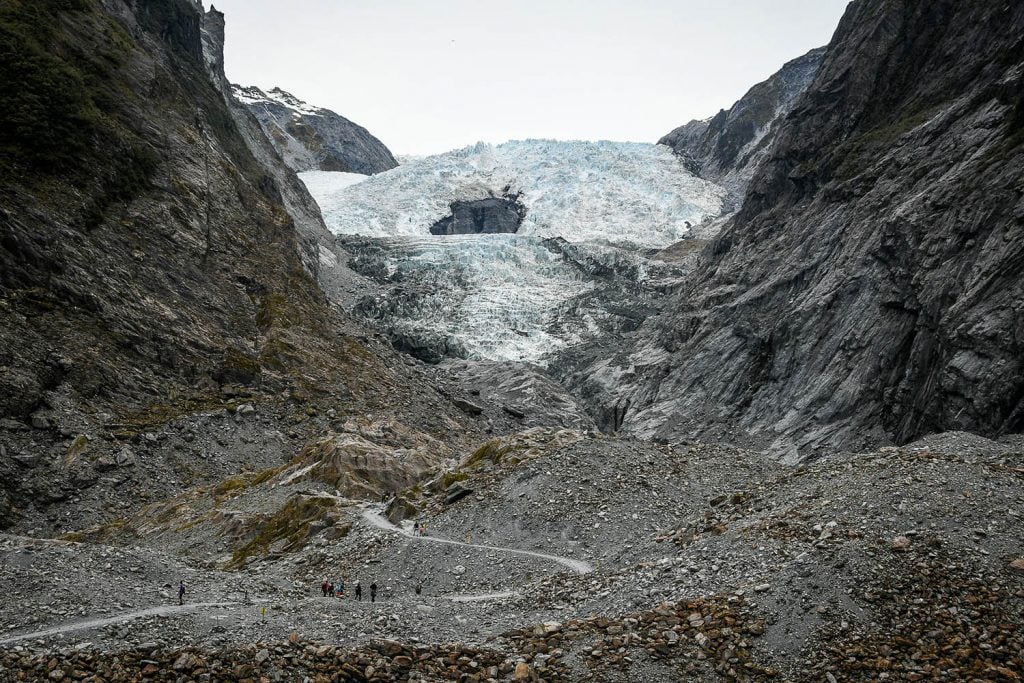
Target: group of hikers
[[329, 589]]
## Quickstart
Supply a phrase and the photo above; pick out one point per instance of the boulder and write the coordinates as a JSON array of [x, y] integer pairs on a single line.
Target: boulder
[[455, 493], [481, 217]]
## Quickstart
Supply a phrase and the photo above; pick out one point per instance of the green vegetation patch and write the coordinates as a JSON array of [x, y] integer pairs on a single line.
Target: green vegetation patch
[[59, 98], [245, 480], [289, 524]]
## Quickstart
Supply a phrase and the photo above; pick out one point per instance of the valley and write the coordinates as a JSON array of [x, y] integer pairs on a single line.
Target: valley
[[742, 405]]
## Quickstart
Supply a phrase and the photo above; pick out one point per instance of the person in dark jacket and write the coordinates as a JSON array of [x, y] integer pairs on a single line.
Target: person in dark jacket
[[373, 592]]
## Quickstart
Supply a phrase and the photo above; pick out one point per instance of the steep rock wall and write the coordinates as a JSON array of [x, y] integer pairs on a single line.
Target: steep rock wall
[[870, 287]]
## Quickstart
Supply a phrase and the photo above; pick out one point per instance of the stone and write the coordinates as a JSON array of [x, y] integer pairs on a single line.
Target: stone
[[311, 138], [482, 216], [523, 672], [900, 543], [125, 457], [892, 380], [1017, 564], [515, 412], [105, 463], [245, 409], [455, 493], [467, 407]]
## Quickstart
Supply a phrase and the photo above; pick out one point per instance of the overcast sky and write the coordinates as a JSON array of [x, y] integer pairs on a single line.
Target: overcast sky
[[426, 76]]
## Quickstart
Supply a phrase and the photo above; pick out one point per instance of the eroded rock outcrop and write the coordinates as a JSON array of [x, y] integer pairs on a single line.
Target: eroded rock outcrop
[[481, 217], [869, 288], [151, 270]]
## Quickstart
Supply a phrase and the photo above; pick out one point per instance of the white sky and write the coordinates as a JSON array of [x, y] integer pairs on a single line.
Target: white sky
[[426, 76]]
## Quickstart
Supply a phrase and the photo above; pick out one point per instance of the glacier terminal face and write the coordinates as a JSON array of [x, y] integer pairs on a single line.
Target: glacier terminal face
[[594, 212]]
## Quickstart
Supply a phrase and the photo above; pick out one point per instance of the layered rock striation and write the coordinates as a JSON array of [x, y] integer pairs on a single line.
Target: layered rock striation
[[870, 287]]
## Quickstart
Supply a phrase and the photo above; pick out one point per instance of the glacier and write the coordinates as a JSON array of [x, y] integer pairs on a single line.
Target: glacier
[[619, 192], [595, 212]]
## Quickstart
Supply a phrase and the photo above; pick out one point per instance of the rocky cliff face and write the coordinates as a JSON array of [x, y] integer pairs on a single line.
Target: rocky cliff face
[[870, 286], [320, 254], [150, 275], [313, 139], [729, 146]]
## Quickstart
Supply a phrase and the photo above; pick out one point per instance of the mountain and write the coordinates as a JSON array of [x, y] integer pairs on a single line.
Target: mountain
[[728, 147], [869, 287], [153, 277], [309, 138]]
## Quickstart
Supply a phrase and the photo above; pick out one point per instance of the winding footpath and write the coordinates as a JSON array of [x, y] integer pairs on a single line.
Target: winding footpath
[[109, 621], [376, 519]]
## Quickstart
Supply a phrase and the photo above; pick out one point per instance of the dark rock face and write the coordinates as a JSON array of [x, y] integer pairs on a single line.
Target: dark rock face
[[320, 254], [870, 286], [728, 147], [310, 138], [481, 217], [152, 266]]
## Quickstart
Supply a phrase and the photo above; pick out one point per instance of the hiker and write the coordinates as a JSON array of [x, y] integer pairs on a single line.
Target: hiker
[[181, 592], [416, 528], [359, 592], [419, 588], [330, 589], [341, 588], [323, 588], [373, 592]]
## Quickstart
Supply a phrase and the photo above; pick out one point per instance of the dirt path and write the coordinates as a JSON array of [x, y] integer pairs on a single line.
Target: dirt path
[[375, 518], [482, 597], [116, 619]]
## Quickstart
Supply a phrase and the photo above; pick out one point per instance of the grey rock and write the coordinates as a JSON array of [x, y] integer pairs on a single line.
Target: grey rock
[[28, 459], [311, 138], [467, 407], [105, 463], [481, 217], [869, 288], [126, 457], [728, 147], [455, 493]]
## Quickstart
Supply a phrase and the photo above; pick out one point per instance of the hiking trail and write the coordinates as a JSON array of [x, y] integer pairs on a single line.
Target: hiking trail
[[108, 621], [373, 516]]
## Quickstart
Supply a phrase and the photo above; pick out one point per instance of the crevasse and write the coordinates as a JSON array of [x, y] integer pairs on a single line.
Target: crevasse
[[500, 297]]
